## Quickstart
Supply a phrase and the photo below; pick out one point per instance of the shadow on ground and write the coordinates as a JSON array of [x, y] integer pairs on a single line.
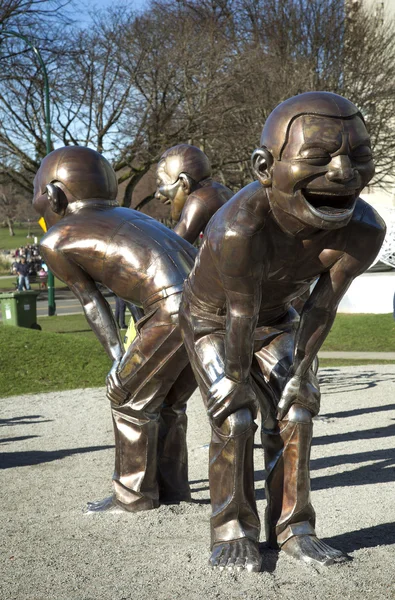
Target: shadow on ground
[[37, 457], [334, 381], [369, 537], [25, 420]]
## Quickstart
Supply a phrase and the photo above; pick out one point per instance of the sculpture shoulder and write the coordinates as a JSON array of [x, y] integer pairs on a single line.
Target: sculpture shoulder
[[210, 197], [365, 235], [366, 216], [54, 236], [97, 223], [244, 214], [367, 222]]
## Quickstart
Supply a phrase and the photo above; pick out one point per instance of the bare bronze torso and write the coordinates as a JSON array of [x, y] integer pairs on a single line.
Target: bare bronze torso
[[243, 240], [199, 207], [130, 253]]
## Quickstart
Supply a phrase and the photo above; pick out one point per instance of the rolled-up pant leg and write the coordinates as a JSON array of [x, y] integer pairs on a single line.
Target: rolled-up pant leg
[[287, 446], [149, 369], [172, 450], [134, 478], [231, 478], [231, 468], [289, 510]]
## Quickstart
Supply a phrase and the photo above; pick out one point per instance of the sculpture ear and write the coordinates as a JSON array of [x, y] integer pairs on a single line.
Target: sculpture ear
[[262, 161], [57, 199], [186, 182]]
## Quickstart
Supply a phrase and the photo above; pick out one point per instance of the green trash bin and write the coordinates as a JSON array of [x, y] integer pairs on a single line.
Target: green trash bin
[[20, 309]]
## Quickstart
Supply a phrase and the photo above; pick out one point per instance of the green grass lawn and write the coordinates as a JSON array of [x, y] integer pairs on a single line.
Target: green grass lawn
[[42, 361], [362, 333], [67, 355], [20, 238], [8, 284], [70, 324]]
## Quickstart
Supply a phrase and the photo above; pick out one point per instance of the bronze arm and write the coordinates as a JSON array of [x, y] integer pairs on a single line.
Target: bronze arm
[[97, 310], [242, 301], [239, 262], [317, 317], [241, 273], [194, 218], [320, 310], [319, 313]]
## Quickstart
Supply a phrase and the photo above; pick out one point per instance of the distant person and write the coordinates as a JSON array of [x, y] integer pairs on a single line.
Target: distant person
[[120, 312], [43, 275], [14, 265], [22, 270]]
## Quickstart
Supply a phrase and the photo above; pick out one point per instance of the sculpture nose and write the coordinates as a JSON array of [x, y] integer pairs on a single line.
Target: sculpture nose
[[340, 170]]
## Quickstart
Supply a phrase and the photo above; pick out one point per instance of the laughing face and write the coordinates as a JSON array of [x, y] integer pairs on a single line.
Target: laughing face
[[325, 164], [169, 191]]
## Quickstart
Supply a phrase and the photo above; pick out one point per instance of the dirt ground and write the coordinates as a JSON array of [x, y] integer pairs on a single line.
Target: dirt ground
[[57, 454]]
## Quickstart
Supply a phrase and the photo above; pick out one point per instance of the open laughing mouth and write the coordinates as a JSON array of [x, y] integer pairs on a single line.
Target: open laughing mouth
[[329, 203]]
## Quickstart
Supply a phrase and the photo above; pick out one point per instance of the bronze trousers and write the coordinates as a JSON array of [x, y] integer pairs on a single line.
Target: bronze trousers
[[231, 468], [151, 461], [286, 443]]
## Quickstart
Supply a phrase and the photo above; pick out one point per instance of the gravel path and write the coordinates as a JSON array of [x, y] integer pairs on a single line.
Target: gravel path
[[55, 458]]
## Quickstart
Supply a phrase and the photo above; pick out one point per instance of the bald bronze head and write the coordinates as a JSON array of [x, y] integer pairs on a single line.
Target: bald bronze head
[[71, 175], [315, 159], [180, 169]]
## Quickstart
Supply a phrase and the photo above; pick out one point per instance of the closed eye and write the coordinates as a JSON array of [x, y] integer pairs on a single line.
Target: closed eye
[[362, 154], [316, 156]]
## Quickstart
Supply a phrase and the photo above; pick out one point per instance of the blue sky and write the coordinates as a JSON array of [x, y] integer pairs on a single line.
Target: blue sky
[[80, 9]]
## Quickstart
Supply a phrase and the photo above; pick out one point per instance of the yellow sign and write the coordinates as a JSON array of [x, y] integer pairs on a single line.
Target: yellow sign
[[130, 334], [43, 224]]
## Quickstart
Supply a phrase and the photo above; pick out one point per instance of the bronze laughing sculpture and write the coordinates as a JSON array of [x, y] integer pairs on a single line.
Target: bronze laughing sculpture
[[184, 180], [92, 240], [301, 221]]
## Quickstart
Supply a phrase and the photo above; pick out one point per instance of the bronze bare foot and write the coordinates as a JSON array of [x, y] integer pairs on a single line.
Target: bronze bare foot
[[238, 554], [111, 504], [313, 551]]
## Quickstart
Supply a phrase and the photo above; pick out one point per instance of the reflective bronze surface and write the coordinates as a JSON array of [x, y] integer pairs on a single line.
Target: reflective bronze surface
[[92, 240], [302, 220], [184, 180]]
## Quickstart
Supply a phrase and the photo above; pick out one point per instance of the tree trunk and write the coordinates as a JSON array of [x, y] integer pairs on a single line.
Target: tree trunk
[[144, 201], [127, 197], [10, 226]]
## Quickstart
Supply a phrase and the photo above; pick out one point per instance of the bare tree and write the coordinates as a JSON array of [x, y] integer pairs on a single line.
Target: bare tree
[[291, 46], [15, 205], [369, 81], [206, 72], [25, 15], [22, 119]]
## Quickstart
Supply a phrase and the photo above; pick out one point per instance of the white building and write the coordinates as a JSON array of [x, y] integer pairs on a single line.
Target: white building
[[374, 291]]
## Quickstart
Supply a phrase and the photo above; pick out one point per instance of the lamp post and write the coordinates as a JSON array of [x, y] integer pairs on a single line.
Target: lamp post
[[51, 279]]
